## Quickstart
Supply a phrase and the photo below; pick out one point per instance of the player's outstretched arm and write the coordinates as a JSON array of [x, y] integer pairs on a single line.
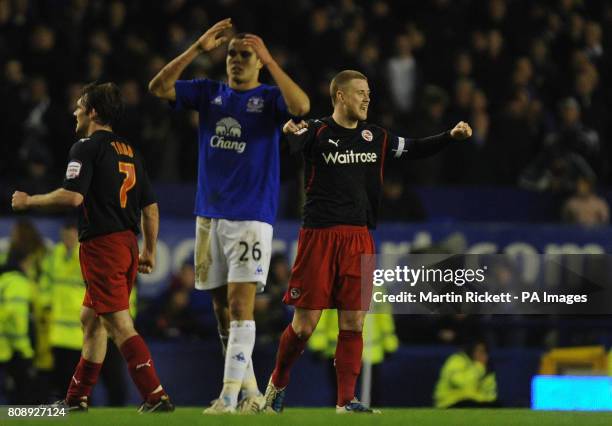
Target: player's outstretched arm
[[296, 99], [150, 229], [162, 85], [60, 198], [428, 146]]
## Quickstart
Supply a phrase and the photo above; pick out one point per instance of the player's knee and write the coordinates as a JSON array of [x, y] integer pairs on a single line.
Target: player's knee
[[352, 324], [303, 330], [220, 309], [91, 327], [120, 331]]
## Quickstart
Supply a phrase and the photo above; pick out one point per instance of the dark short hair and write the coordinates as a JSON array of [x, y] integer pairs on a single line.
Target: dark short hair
[[342, 79], [106, 99], [239, 36]]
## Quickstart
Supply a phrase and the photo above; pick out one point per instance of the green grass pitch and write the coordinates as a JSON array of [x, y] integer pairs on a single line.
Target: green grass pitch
[[187, 416]]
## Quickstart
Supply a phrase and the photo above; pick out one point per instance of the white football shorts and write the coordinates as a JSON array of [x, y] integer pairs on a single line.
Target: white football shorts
[[235, 251]]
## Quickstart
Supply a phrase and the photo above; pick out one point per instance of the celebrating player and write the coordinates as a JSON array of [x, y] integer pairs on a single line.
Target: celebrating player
[[107, 179], [238, 181], [344, 165]]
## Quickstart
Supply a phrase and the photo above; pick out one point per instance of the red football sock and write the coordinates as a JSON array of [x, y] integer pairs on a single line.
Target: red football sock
[[289, 350], [348, 364], [140, 366], [84, 378]]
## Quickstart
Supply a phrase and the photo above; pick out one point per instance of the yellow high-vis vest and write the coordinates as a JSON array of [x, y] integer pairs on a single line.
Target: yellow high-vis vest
[[461, 379], [15, 305], [63, 290]]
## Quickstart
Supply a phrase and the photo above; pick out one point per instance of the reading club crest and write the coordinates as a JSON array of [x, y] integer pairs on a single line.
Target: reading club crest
[[255, 104], [367, 135]]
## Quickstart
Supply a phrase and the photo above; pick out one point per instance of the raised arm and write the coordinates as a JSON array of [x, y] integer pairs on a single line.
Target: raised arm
[[162, 85], [150, 229], [298, 103], [425, 147]]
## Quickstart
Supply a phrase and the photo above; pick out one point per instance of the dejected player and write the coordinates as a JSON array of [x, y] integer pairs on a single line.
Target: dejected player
[[106, 177], [344, 160], [238, 185]]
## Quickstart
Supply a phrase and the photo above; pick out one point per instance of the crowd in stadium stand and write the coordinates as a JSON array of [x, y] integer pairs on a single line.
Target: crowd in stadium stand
[[532, 77]]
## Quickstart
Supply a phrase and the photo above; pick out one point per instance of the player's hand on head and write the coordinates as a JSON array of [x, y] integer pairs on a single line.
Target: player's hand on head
[[461, 131], [146, 263], [212, 38], [259, 47], [293, 127], [19, 201]]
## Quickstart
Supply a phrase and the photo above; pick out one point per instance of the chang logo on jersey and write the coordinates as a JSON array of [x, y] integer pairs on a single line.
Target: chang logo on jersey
[[227, 135], [350, 157]]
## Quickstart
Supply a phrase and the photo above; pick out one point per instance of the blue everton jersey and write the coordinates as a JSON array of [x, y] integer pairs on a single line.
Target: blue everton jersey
[[238, 166]]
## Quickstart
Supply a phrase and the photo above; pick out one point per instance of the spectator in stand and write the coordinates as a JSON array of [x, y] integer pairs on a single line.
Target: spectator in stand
[[175, 318], [510, 144], [39, 126], [573, 136], [585, 207], [590, 99], [430, 119], [402, 74]]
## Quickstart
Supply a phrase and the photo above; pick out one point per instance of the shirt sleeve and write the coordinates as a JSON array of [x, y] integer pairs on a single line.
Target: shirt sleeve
[[302, 140], [190, 94], [409, 148], [79, 171], [147, 195]]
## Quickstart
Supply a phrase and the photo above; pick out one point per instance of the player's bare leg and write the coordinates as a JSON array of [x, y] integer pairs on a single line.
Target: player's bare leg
[[221, 309], [120, 327], [92, 356], [241, 340], [291, 346], [94, 336], [349, 350]]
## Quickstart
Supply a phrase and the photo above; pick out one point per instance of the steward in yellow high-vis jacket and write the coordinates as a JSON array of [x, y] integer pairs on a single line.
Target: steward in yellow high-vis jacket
[[16, 350], [465, 380], [62, 290]]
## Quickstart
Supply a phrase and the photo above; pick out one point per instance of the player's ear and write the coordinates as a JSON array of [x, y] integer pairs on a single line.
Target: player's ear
[[258, 64], [339, 96], [92, 114]]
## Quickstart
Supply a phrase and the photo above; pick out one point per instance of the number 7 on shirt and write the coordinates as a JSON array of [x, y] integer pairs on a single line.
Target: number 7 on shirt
[[128, 182]]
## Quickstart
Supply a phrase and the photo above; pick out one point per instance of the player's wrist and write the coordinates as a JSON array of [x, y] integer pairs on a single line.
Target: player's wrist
[[270, 63], [197, 47]]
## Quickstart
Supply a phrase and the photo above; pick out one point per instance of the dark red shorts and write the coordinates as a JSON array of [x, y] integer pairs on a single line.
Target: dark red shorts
[[327, 270], [109, 264]]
